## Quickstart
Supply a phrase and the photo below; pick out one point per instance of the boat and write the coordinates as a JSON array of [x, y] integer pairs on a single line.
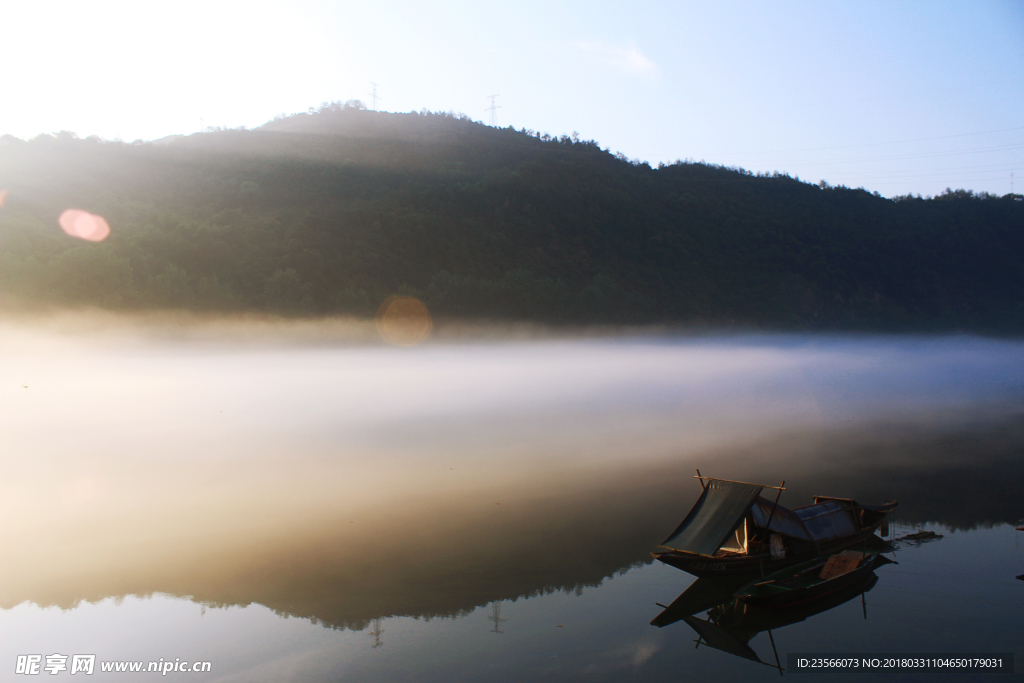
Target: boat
[[732, 530], [809, 580]]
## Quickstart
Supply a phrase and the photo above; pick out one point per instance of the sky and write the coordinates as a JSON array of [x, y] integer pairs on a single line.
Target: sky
[[897, 98]]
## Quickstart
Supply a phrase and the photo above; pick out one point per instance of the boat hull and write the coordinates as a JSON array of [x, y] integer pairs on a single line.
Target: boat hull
[[762, 563], [756, 594]]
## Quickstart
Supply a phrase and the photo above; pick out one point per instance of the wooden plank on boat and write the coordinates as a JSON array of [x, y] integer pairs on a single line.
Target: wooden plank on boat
[[843, 563]]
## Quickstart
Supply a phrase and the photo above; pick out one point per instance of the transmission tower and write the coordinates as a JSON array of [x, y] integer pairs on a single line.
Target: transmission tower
[[496, 616], [374, 96], [378, 630], [494, 110]]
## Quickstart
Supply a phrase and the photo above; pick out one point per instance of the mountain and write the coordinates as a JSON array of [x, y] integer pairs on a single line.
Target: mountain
[[332, 211]]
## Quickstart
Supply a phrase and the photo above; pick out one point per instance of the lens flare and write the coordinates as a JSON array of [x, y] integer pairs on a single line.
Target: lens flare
[[403, 321], [84, 225], [3, 198]]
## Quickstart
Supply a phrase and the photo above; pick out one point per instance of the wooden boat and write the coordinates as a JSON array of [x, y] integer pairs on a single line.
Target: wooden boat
[[733, 530], [809, 580]]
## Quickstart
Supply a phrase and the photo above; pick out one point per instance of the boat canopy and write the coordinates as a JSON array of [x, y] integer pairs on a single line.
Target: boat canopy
[[827, 520], [723, 505], [820, 522], [783, 521], [719, 510]]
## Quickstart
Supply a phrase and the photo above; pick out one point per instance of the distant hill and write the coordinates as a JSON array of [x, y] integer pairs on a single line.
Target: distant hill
[[333, 211]]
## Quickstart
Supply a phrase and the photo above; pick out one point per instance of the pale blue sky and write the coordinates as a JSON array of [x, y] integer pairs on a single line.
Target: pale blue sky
[[895, 97]]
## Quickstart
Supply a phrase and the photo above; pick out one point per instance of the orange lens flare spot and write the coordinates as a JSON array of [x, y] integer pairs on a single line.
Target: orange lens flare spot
[[404, 321], [84, 225], [3, 198]]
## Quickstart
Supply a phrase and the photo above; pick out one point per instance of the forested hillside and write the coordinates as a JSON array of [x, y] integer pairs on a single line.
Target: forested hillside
[[332, 211]]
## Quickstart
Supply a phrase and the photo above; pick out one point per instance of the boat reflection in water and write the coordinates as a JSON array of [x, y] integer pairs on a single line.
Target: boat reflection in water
[[730, 624]]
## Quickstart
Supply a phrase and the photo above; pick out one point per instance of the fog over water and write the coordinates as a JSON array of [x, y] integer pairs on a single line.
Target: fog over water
[[327, 476], [114, 397]]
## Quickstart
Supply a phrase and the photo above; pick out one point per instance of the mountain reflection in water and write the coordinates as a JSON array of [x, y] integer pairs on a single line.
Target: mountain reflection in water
[[350, 483]]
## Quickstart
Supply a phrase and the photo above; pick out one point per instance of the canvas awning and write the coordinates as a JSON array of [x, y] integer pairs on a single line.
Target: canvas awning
[[783, 520], [719, 510], [824, 521], [827, 520]]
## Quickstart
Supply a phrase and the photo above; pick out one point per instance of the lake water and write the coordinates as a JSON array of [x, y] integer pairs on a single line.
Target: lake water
[[305, 507]]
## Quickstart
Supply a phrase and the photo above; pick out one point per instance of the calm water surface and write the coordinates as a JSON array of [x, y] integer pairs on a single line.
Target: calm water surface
[[312, 510]]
